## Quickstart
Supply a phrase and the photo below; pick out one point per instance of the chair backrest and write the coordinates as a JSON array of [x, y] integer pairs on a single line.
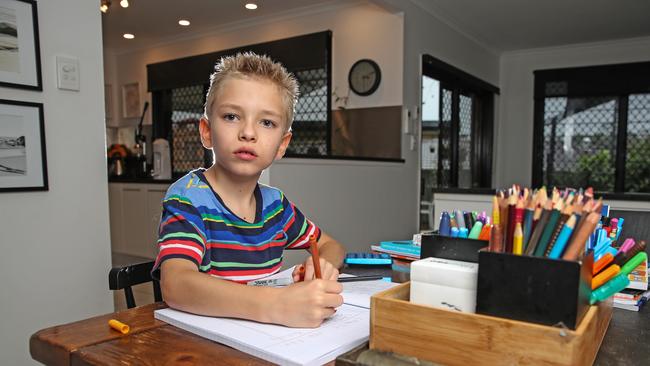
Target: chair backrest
[[130, 275]]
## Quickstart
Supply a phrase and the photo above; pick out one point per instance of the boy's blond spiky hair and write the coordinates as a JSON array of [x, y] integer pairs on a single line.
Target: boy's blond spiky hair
[[247, 65]]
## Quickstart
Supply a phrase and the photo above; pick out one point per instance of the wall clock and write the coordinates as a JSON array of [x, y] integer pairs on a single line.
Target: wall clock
[[364, 77]]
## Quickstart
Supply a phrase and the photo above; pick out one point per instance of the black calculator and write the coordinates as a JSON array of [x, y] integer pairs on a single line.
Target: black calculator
[[372, 259]]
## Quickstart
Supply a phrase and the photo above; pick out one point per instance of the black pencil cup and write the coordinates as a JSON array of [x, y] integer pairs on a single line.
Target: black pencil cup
[[534, 289], [459, 249]]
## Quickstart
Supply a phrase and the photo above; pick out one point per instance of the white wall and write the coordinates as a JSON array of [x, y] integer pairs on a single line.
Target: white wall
[[514, 148], [55, 244]]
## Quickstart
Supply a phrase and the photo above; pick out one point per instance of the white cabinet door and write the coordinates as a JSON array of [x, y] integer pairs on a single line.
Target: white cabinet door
[[115, 216], [155, 194], [134, 229], [135, 214]]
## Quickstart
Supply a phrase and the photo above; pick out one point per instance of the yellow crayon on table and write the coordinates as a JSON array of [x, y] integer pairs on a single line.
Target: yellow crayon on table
[[119, 326]]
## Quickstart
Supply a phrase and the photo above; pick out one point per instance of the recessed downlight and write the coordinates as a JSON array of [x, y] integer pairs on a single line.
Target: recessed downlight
[[251, 6], [184, 22], [128, 36]]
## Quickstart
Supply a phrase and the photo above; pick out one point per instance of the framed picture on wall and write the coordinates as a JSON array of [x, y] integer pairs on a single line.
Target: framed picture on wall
[[131, 100], [20, 59], [23, 165]]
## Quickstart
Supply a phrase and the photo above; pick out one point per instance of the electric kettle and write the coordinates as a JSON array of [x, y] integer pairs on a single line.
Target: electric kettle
[[162, 167]]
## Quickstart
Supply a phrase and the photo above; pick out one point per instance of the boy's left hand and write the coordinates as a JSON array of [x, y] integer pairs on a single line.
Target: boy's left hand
[[305, 271]]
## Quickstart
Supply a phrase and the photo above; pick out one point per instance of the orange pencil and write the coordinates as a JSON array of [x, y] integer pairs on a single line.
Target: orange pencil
[[496, 239], [314, 256], [576, 247]]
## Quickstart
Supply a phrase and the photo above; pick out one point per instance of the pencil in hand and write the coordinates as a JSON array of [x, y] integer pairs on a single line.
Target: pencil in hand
[[314, 256]]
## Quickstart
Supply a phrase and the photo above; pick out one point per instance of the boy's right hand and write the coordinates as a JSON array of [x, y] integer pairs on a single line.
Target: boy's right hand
[[308, 304]]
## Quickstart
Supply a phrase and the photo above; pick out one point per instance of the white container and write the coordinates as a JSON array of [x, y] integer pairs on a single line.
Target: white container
[[162, 166], [444, 283]]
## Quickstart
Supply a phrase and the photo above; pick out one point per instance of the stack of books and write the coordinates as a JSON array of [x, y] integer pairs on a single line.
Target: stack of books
[[630, 299], [636, 294], [401, 249]]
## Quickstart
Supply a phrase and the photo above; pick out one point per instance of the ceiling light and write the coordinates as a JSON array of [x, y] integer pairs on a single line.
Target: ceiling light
[[184, 22], [124, 3], [128, 36], [251, 6], [104, 5]]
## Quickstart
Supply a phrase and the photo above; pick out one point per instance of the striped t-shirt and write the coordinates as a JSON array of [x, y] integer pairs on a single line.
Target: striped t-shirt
[[196, 225]]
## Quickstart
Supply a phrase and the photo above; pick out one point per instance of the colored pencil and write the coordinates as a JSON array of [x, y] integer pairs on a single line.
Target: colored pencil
[[315, 256]]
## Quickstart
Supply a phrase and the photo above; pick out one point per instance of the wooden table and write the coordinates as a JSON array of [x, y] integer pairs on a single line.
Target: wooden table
[[152, 342]]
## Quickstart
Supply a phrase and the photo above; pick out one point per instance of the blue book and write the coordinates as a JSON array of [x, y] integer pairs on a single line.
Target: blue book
[[402, 246]]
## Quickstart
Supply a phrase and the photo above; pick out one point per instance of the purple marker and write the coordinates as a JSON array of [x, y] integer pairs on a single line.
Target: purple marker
[[627, 244]]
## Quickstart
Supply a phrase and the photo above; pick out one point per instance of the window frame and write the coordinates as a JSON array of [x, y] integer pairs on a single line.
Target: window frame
[[619, 80], [460, 83]]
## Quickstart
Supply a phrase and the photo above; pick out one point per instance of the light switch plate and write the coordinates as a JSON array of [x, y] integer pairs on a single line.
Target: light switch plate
[[67, 73], [406, 121]]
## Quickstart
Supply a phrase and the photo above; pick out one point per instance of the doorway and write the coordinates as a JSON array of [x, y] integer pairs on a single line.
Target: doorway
[[455, 136]]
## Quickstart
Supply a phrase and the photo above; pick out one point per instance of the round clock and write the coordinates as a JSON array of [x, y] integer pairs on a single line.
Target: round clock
[[364, 77]]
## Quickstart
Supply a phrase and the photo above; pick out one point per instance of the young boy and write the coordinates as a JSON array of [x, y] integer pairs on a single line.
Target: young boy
[[220, 228]]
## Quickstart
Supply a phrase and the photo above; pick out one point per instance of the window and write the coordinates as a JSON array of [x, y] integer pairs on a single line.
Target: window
[[592, 128], [179, 87], [457, 123], [456, 136], [311, 120]]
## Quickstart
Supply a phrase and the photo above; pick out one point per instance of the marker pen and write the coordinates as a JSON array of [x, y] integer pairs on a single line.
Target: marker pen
[[610, 288], [454, 232], [462, 233], [476, 230], [445, 224]]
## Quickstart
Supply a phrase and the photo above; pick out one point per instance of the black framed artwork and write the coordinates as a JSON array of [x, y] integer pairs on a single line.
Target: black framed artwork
[[20, 59], [23, 163]]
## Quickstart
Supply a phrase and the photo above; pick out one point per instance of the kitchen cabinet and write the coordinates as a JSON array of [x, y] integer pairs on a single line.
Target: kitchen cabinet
[[135, 213]]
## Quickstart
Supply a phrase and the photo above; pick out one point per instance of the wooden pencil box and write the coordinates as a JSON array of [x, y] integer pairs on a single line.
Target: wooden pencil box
[[532, 289], [456, 338]]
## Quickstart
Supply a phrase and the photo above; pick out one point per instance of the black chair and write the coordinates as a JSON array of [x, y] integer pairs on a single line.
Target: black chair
[[130, 275]]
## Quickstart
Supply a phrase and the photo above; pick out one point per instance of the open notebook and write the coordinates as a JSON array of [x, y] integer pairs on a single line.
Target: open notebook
[[347, 329]]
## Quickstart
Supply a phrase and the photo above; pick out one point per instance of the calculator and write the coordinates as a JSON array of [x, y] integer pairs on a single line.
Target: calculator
[[372, 259]]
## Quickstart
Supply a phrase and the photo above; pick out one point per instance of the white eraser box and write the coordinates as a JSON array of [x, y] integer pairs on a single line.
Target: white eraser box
[[444, 283]]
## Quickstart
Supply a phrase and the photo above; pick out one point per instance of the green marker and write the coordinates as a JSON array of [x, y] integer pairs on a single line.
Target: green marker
[[610, 288], [476, 230], [633, 263]]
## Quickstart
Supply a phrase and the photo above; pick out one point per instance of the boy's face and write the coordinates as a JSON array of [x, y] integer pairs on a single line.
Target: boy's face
[[247, 130]]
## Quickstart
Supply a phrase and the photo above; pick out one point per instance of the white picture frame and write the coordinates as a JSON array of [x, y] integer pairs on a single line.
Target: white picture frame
[[23, 163], [131, 100], [20, 59]]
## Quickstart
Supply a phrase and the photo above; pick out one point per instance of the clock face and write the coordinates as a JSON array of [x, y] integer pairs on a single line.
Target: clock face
[[364, 77]]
